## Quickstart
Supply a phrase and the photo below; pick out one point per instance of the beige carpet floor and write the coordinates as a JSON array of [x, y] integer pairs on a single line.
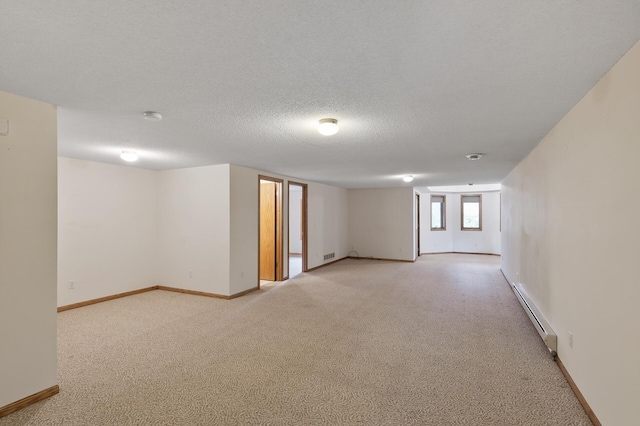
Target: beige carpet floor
[[442, 341]]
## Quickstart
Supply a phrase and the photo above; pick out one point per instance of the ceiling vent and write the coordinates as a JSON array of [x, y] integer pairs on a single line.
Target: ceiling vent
[[475, 156]]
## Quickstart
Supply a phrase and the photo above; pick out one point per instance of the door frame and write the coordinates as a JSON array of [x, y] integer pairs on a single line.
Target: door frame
[[417, 230], [304, 221], [278, 239]]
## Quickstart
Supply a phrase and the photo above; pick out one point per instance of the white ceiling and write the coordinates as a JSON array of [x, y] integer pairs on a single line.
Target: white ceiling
[[415, 85]]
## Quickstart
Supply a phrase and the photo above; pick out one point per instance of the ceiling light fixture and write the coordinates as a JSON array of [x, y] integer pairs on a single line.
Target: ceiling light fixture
[[152, 116], [328, 126], [475, 156], [407, 178], [129, 156]]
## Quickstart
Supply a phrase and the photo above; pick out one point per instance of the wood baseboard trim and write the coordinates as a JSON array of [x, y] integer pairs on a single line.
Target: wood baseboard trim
[[242, 293], [382, 258], [471, 252], [104, 299], [32, 399], [203, 293], [436, 252], [326, 264], [460, 252], [192, 292], [155, 287], [579, 395]]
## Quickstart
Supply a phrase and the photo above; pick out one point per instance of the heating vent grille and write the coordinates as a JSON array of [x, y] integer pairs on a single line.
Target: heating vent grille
[[329, 256], [542, 326]]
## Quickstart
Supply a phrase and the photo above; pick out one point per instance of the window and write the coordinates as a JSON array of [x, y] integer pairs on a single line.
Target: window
[[471, 212], [438, 212]]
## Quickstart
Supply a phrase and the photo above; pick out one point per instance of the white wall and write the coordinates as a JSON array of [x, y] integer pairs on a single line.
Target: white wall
[[453, 239], [244, 230], [107, 229], [28, 224], [436, 241], [327, 223], [124, 228], [295, 214], [485, 241], [569, 225], [381, 222], [193, 229]]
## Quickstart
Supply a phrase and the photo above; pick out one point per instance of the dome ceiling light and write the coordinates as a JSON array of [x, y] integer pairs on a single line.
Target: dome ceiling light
[[328, 126], [129, 156]]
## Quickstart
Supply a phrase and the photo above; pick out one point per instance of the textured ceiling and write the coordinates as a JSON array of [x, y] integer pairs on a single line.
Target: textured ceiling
[[415, 85]]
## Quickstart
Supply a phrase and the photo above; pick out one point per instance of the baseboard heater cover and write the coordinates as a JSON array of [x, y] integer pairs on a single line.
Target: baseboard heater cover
[[549, 337]]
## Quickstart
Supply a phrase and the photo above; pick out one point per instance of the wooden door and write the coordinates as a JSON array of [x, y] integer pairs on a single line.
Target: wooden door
[[268, 231]]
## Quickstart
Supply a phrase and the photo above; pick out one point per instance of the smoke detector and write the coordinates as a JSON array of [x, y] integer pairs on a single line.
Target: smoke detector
[[152, 116], [475, 156]]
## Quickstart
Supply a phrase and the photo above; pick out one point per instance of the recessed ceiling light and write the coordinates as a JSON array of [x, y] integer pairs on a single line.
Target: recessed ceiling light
[[129, 156], [152, 116], [475, 156], [328, 126], [407, 178]]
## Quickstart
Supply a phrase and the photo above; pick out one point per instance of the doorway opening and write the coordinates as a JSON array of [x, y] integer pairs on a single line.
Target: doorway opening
[[297, 228], [270, 229]]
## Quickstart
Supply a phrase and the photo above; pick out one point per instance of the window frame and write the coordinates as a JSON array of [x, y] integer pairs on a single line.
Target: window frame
[[462, 202], [443, 212]]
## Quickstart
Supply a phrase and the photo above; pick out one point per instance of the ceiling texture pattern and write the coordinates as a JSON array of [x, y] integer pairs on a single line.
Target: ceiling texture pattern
[[415, 85]]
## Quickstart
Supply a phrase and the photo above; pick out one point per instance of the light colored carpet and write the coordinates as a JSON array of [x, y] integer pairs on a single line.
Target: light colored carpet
[[442, 341]]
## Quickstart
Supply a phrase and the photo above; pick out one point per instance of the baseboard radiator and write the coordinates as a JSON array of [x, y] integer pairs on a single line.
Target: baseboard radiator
[[542, 326]]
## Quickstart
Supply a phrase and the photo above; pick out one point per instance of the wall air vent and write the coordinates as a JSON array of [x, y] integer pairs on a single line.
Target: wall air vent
[[4, 127]]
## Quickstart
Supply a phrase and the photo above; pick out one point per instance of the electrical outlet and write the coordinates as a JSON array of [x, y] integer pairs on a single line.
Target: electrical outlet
[[570, 339], [190, 274], [72, 285]]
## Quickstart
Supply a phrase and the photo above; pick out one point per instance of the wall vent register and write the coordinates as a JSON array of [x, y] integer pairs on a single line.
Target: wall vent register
[[4, 127]]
